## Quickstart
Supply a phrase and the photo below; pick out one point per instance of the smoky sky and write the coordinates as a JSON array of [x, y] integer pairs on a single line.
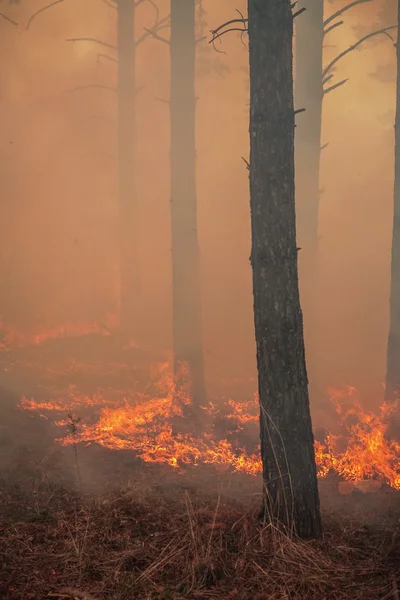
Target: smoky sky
[[58, 169]]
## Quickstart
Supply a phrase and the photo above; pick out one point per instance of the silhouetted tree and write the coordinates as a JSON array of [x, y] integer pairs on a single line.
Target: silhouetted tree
[[393, 348], [126, 48], [313, 80], [129, 276], [186, 286], [287, 443]]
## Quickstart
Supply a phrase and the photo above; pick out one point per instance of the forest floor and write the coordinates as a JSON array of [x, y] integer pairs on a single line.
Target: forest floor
[[104, 525], [167, 536]]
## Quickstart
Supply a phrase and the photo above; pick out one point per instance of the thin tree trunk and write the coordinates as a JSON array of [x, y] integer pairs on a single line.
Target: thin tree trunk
[[393, 348], [287, 444], [187, 322], [129, 292], [309, 95]]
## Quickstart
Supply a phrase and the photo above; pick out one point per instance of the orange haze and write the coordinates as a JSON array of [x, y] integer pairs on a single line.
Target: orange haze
[[58, 221]]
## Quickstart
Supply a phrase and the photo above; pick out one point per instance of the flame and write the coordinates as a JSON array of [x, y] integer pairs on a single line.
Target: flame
[[149, 423], [368, 453], [11, 337]]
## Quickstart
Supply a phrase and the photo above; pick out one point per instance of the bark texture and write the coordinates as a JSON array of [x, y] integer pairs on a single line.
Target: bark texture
[[287, 443], [393, 349], [309, 95], [187, 320], [129, 292]]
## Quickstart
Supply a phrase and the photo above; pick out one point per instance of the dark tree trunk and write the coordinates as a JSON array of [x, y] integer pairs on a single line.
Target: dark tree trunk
[[393, 349], [287, 444], [129, 292], [309, 95], [187, 322]]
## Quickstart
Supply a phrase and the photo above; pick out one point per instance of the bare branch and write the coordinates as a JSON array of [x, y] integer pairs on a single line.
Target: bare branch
[[111, 58], [155, 35], [94, 40], [162, 24], [296, 14], [299, 110], [326, 79], [246, 162], [354, 46], [338, 13], [324, 146], [154, 5], [42, 10], [338, 24], [91, 86], [110, 4], [221, 30], [336, 85], [8, 19]]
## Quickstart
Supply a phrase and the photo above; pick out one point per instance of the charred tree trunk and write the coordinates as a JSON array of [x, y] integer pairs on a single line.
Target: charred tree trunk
[[129, 292], [287, 444], [393, 348], [309, 95], [186, 289]]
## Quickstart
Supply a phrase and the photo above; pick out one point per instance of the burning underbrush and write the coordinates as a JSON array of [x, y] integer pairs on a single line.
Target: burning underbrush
[[154, 424], [168, 534]]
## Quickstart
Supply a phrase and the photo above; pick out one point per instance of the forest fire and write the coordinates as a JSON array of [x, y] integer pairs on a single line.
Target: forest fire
[[149, 425], [14, 338]]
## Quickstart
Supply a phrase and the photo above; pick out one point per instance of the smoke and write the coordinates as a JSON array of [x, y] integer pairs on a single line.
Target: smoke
[[58, 171]]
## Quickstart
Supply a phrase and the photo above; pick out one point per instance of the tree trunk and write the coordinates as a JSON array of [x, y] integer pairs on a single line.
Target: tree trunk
[[129, 292], [309, 95], [393, 349], [287, 444], [186, 305]]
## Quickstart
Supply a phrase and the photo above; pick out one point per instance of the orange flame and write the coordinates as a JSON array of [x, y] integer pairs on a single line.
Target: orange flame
[[149, 425]]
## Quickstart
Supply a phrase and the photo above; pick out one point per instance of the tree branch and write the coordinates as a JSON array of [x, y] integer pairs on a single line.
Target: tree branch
[[338, 13], [301, 10], [333, 87], [155, 35], [99, 56], [220, 31], [110, 4], [162, 24], [94, 40], [354, 46], [326, 79], [333, 27], [42, 10], [8, 19]]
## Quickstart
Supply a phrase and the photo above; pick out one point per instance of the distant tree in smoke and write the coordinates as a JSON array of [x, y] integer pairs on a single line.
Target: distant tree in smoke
[[393, 348]]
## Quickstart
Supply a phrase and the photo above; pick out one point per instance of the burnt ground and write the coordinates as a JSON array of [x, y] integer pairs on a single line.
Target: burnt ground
[[122, 529]]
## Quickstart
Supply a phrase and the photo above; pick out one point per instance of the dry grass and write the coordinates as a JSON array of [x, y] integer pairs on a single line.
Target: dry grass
[[170, 543]]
